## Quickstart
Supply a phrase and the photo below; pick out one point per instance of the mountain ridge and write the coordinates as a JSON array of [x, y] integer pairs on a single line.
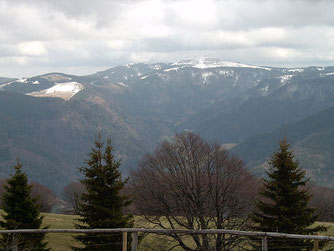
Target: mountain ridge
[[139, 105]]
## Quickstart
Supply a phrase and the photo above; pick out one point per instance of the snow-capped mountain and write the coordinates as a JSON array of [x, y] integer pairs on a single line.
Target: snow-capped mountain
[[138, 105], [206, 63], [49, 85], [231, 76]]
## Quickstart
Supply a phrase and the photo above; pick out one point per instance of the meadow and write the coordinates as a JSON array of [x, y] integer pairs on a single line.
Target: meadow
[[63, 242]]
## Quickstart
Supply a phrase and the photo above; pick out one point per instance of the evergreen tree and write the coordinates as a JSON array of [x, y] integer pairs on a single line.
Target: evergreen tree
[[284, 206], [102, 204], [21, 212]]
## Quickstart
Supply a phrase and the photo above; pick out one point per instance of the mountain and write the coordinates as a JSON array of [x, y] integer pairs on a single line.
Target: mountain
[[54, 118], [52, 137], [5, 80], [312, 140], [283, 97]]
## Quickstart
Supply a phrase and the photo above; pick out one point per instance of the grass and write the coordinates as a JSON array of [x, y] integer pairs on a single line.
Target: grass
[[60, 242], [330, 232], [63, 242]]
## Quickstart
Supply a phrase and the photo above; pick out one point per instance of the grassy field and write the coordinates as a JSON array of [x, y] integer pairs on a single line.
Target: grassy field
[[62, 242]]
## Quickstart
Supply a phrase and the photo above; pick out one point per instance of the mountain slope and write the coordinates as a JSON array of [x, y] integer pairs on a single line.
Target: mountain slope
[[51, 120], [312, 140], [52, 137], [272, 103]]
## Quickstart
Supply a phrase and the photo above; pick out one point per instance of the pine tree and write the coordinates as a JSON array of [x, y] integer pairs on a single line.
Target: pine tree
[[284, 206], [21, 212], [102, 204]]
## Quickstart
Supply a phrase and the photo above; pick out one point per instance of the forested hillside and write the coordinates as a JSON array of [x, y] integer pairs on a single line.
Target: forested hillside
[[312, 140], [51, 120]]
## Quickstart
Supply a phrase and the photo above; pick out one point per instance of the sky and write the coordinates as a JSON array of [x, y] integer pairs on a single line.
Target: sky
[[84, 36]]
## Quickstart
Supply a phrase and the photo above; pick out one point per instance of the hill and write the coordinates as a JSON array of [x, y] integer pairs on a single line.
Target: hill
[[312, 140]]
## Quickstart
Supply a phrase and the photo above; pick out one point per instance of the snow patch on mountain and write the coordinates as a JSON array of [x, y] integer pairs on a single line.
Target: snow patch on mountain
[[121, 84], [285, 78], [204, 63], [61, 90], [156, 67], [206, 76], [329, 74], [226, 73], [22, 80], [72, 87], [296, 70], [129, 65], [172, 69], [144, 77]]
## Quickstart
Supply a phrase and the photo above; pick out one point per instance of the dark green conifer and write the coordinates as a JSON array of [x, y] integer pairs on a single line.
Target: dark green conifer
[[21, 212], [284, 204], [102, 204]]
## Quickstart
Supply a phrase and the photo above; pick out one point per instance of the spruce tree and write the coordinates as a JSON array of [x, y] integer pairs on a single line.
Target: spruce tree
[[102, 204], [284, 204], [21, 212]]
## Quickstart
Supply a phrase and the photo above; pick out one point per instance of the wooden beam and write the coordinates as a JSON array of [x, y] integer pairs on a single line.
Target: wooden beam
[[134, 244], [264, 244], [15, 242], [125, 241], [316, 245], [169, 231]]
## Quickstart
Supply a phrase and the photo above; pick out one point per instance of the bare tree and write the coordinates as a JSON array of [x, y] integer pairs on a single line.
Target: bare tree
[[72, 194], [191, 184], [46, 198], [323, 200]]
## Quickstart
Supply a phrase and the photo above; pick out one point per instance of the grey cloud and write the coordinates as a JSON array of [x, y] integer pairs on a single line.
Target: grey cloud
[[177, 44], [8, 50], [78, 33], [103, 12], [283, 13]]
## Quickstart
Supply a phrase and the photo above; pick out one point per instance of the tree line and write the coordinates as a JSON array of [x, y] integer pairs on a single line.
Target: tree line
[[189, 183]]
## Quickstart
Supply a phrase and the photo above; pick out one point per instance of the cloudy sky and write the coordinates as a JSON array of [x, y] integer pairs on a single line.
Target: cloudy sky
[[84, 36]]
